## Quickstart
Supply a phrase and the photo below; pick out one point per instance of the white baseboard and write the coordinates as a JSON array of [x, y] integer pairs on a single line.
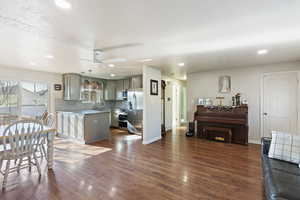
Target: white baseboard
[[254, 141], [152, 140]]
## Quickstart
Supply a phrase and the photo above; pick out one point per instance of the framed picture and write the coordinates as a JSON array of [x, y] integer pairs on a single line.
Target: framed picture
[[224, 84], [153, 87], [57, 87]]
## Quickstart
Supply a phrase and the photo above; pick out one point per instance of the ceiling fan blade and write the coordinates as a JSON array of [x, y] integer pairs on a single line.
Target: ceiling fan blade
[[128, 45]]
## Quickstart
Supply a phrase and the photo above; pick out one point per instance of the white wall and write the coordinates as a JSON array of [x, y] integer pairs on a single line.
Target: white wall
[[152, 106], [244, 80], [9, 73]]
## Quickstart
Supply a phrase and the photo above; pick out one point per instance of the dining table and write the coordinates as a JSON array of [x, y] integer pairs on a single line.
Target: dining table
[[48, 133]]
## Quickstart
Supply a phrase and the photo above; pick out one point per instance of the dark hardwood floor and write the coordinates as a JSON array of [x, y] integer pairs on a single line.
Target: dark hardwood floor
[[122, 168]]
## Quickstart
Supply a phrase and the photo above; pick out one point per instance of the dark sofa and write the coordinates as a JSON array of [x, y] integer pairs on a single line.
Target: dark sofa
[[281, 179]]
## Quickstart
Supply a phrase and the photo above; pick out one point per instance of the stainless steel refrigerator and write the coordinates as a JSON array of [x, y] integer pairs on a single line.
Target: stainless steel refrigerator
[[135, 108]]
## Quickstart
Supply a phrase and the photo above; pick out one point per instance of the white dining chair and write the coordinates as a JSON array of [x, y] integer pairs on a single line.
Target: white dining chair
[[49, 122], [20, 141], [44, 116]]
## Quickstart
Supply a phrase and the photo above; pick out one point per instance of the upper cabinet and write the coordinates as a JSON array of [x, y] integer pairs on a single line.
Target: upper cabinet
[[72, 83], [119, 89], [110, 90], [126, 83], [136, 82], [92, 90]]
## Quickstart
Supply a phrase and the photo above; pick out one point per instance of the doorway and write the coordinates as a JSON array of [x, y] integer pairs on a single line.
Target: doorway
[[279, 103], [175, 104], [176, 108]]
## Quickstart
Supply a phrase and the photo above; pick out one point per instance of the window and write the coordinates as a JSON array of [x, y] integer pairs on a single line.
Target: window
[[34, 99], [9, 97], [23, 98]]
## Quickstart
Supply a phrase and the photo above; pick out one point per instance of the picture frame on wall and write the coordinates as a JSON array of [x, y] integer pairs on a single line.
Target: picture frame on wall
[[224, 84], [57, 87], [153, 87]]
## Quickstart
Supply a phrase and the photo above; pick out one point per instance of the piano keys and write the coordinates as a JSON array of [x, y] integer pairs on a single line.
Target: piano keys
[[234, 119]]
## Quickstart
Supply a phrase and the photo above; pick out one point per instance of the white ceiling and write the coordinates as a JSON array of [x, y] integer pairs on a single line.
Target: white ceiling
[[204, 34]]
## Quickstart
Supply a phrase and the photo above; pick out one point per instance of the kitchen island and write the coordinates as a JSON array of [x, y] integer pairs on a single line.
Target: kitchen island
[[84, 126]]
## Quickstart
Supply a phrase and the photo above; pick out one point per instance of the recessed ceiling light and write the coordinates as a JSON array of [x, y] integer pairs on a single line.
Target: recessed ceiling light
[[181, 64], [64, 4], [262, 51], [111, 65], [112, 75], [32, 63], [146, 60], [49, 56]]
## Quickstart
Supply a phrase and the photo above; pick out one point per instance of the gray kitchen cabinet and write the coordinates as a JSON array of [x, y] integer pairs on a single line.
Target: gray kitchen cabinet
[[96, 127], [72, 84], [114, 118], [114, 88], [110, 90], [136, 82], [126, 83], [92, 90], [83, 126], [76, 126], [70, 125], [119, 89]]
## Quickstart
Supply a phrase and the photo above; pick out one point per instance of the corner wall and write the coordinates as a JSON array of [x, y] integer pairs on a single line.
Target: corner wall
[[245, 80], [152, 106]]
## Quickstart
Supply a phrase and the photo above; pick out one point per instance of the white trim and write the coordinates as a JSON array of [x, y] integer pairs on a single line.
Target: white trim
[[152, 140], [280, 72], [261, 103], [261, 121], [254, 141]]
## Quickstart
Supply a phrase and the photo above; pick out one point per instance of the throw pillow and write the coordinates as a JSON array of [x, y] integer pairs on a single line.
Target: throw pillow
[[285, 146]]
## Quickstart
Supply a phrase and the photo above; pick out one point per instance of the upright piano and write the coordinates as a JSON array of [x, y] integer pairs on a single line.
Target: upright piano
[[219, 122]]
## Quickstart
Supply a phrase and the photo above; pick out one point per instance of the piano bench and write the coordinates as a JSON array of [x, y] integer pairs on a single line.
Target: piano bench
[[226, 132]]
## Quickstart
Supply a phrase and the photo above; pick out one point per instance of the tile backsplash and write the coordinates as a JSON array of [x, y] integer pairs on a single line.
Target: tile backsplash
[[121, 104], [61, 105]]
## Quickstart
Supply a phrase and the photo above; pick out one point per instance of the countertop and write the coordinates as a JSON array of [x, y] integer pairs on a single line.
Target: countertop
[[85, 112]]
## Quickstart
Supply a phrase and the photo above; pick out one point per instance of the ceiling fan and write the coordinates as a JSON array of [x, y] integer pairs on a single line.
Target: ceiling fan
[[99, 54]]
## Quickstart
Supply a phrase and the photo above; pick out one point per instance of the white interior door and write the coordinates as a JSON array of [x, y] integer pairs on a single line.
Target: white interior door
[[280, 91], [169, 105]]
